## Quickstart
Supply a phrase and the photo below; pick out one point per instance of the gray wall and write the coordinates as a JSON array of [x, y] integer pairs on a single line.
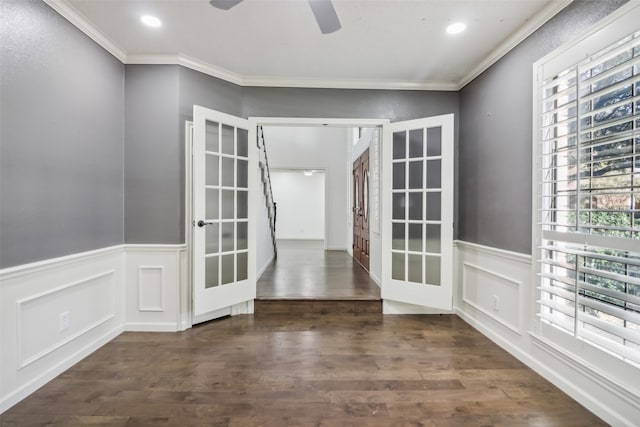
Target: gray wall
[[160, 98], [61, 137], [494, 174], [152, 155]]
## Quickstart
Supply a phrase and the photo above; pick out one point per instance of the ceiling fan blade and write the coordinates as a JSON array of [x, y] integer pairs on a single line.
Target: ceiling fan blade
[[326, 15], [224, 4]]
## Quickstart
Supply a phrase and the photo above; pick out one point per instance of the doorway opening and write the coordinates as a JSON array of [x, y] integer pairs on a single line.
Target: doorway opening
[[313, 186]]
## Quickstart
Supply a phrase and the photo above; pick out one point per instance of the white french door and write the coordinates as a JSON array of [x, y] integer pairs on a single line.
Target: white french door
[[417, 213], [224, 185]]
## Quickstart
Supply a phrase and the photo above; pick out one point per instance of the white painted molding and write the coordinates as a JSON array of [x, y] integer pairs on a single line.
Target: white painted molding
[[64, 8], [533, 24], [583, 367], [514, 328], [39, 266], [375, 279], [81, 22], [52, 372], [265, 266], [150, 327], [158, 288], [395, 307], [153, 247], [512, 256], [24, 362]]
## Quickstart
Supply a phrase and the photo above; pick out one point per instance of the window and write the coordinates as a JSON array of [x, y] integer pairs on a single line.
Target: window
[[587, 178]]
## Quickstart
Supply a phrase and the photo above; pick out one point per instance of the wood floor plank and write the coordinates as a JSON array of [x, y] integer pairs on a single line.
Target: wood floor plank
[[285, 370]]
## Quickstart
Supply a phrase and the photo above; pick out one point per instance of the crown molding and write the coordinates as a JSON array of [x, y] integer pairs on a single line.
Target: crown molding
[[221, 73], [187, 62], [83, 24], [537, 21]]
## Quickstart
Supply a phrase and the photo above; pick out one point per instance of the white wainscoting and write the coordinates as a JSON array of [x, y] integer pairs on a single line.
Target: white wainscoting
[[483, 272], [155, 278], [55, 312]]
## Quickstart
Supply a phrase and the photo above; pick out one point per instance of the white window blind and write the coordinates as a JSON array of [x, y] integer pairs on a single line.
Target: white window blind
[[589, 198]]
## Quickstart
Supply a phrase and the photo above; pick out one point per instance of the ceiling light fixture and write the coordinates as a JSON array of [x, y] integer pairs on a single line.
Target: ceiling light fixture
[[456, 27], [308, 172], [151, 21]]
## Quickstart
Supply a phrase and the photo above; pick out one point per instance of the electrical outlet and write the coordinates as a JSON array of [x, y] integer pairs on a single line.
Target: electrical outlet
[[496, 303], [64, 321]]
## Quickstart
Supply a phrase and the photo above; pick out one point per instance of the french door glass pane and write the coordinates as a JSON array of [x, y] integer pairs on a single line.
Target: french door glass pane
[[211, 272], [397, 266], [415, 237], [243, 142], [433, 206], [415, 143], [211, 204], [242, 266], [242, 240], [399, 176], [227, 172], [212, 236], [432, 267], [398, 238], [415, 174], [434, 179], [228, 270], [398, 205], [434, 142], [399, 145], [228, 204], [228, 146], [212, 139], [212, 170], [415, 268], [243, 174], [243, 207], [228, 238], [433, 238]]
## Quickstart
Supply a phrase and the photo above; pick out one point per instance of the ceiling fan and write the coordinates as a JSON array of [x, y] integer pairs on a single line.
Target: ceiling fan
[[323, 10]]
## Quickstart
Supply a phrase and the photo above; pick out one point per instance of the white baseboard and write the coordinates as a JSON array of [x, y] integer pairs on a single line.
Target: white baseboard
[[375, 279], [482, 273], [101, 293], [24, 390], [265, 266], [87, 289], [394, 307], [150, 327]]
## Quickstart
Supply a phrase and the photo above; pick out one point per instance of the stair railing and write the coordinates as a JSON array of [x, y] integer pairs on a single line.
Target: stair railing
[[265, 177]]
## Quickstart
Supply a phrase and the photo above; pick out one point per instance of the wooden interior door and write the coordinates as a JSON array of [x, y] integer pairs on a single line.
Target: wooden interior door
[[361, 210], [364, 231], [356, 206]]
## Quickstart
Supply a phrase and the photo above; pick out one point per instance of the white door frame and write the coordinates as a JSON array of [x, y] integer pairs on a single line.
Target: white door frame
[[325, 122], [254, 122]]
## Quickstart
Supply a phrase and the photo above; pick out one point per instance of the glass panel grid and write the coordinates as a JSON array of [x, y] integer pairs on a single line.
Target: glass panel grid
[[416, 192], [226, 204]]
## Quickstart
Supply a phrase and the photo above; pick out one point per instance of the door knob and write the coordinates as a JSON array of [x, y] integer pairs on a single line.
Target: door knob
[[202, 223]]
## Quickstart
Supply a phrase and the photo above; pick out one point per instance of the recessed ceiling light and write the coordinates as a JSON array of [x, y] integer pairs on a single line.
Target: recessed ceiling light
[[151, 21], [456, 27]]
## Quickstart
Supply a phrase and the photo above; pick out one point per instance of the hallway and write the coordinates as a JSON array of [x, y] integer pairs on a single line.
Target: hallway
[[303, 270]]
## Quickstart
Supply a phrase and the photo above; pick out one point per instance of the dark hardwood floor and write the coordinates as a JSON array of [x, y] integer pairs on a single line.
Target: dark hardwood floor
[[303, 271], [303, 370]]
